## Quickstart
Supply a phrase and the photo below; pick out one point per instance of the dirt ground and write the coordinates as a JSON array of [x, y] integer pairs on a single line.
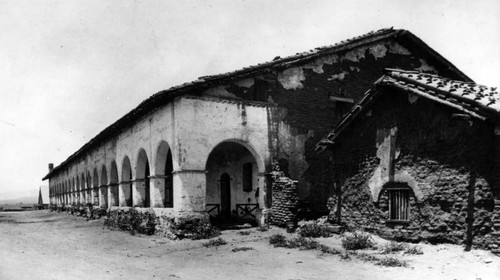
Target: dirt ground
[[45, 245]]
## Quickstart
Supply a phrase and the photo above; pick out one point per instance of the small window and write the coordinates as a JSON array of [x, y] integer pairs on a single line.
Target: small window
[[260, 90], [247, 177], [399, 204]]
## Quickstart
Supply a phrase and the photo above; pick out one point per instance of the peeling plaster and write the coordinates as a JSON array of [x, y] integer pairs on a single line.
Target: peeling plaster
[[396, 48], [378, 51], [292, 78], [246, 83], [424, 66], [317, 65], [219, 91], [340, 76]]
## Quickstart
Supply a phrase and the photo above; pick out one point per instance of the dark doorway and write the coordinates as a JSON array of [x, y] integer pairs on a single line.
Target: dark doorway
[[225, 195], [146, 186], [169, 182]]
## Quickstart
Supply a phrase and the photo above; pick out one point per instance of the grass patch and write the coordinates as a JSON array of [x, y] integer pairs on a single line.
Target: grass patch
[[239, 249], [357, 241], [391, 261], [328, 250], [245, 232], [393, 247], [278, 240], [413, 250], [314, 230], [215, 242]]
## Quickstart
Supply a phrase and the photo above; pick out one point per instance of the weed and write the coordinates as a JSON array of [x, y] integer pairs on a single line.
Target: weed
[[314, 230], [277, 240], [245, 232], [303, 243], [242, 249], [390, 261], [203, 230], [367, 257], [215, 242], [393, 247], [413, 250], [357, 241], [328, 250]]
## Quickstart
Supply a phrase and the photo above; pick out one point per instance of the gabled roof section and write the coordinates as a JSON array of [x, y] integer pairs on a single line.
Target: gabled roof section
[[405, 38], [476, 100]]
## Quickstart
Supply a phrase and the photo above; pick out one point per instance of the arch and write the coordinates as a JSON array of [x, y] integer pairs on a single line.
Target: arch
[[258, 159], [113, 185], [104, 175], [232, 181], [113, 174], [125, 192], [142, 176], [164, 185], [103, 187]]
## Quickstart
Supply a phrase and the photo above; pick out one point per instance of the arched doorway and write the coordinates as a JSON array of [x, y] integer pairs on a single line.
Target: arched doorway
[[103, 188], [113, 185], [225, 195], [126, 184], [164, 184], [143, 180], [232, 183]]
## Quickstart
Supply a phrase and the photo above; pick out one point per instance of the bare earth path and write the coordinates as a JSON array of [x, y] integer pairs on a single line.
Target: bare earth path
[[44, 245]]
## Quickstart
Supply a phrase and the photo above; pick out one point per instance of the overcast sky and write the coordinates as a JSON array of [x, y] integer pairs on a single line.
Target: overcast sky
[[70, 68]]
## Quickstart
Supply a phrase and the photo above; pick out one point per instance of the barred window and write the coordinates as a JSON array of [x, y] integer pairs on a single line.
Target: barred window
[[399, 203]]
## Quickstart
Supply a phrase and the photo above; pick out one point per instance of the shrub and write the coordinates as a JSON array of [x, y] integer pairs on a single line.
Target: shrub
[[277, 240], [357, 241], [215, 243], [393, 247], [203, 230], [242, 249], [328, 250], [303, 243], [413, 250], [132, 221], [314, 230], [390, 261]]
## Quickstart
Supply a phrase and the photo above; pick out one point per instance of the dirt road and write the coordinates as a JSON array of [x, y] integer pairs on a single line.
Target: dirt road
[[44, 245]]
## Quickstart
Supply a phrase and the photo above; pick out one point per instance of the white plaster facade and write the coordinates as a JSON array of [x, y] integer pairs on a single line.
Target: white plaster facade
[[190, 127]]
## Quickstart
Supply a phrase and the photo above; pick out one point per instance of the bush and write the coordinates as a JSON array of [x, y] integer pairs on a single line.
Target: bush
[[132, 221], [393, 247], [328, 250], [314, 230], [414, 250], [277, 240], [390, 261], [357, 241], [242, 249], [215, 242], [300, 242], [203, 230]]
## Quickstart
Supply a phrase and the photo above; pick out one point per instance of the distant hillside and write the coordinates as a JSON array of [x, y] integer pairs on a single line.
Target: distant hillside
[[26, 201]]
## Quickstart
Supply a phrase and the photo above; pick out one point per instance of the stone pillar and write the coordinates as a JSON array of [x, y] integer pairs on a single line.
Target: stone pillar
[[103, 196], [139, 192], [157, 189], [124, 194], [112, 195], [189, 195]]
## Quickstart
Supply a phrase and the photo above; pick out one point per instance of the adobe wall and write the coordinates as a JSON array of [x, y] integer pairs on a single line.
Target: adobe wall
[[307, 93], [433, 154]]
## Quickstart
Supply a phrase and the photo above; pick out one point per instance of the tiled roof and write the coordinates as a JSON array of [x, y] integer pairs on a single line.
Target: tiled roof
[[476, 100], [278, 63], [476, 95]]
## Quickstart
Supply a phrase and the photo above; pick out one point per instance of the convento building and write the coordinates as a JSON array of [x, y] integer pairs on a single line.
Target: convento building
[[207, 148]]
